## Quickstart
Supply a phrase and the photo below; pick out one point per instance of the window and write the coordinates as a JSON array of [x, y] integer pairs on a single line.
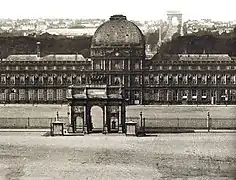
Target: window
[[50, 80], [156, 79], [223, 79], [232, 79], [31, 79], [185, 79], [146, 80], [165, 67], [41, 79], [21, 94], [185, 93], [213, 79], [69, 79], [194, 79], [12, 80], [78, 80], [50, 94], [175, 79], [31, 94], [3, 79], [204, 93], [97, 66], [40, 94], [59, 94], [59, 80], [194, 92], [137, 66], [204, 79], [117, 64], [45, 68], [117, 80], [136, 79]]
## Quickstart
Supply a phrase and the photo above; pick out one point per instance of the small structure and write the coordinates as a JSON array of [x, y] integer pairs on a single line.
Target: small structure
[[131, 128], [57, 128]]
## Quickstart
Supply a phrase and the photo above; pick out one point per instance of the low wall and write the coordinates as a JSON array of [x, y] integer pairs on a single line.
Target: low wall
[[29, 122]]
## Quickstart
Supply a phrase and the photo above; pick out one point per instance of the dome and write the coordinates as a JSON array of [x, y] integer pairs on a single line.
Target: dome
[[118, 31]]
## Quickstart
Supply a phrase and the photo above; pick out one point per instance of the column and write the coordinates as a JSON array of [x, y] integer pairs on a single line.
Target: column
[[119, 120], [141, 96], [105, 130], [109, 80], [85, 129], [109, 65], [123, 116], [167, 95]]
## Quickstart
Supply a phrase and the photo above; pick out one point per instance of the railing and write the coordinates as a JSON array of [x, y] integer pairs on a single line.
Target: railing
[[28, 123], [185, 123]]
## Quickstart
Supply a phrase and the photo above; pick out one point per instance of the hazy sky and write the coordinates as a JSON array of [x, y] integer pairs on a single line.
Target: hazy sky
[[133, 9]]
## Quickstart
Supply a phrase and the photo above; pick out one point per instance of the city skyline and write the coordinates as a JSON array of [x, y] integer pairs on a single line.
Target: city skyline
[[103, 9]]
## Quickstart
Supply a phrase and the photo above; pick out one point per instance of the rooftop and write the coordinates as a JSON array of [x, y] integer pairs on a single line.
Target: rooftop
[[54, 57]]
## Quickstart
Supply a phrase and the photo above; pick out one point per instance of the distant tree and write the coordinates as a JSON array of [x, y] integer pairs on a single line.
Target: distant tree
[[185, 29], [176, 35], [152, 39]]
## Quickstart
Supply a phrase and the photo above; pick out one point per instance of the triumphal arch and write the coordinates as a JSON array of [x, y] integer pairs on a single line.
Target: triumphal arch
[[97, 108]]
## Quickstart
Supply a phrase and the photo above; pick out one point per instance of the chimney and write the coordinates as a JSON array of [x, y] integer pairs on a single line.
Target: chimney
[[159, 39], [160, 31], [38, 49]]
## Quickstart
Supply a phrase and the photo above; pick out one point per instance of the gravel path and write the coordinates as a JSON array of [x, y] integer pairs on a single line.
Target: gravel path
[[167, 156]]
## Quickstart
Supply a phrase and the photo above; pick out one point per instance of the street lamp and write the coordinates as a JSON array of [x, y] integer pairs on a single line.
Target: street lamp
[[57, 116], [141, 118]]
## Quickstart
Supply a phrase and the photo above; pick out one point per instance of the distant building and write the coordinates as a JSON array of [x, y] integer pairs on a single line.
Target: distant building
[[118, 58], [190, 79], [34, 79], [72, 32]]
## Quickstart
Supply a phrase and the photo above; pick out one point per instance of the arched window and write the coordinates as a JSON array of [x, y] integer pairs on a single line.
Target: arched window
[[117, 80]]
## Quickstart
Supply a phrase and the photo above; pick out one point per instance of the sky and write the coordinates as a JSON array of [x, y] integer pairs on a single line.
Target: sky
[[133, 9]]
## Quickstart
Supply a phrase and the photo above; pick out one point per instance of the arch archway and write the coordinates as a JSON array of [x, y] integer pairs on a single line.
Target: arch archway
[[97, 118], [175, 20], [79, 124]]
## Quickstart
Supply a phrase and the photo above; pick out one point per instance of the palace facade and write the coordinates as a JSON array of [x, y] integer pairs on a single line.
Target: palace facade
[[118, 58]]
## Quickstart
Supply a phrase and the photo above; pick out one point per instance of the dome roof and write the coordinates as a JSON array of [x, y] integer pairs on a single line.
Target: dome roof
[[118, 31]]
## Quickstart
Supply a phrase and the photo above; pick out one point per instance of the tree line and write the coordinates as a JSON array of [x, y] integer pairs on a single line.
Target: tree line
[[50, 44], [201, 41]]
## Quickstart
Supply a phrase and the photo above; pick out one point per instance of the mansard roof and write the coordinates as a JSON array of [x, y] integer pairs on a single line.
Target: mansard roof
[[52, 57], [64, 57], [204, 57], [194, 57], [22, 57]]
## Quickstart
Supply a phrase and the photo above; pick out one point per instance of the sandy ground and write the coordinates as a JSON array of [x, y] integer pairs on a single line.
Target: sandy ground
[[27, 156]]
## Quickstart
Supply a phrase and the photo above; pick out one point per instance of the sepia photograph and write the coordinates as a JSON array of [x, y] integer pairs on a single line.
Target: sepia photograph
[[118, 90]]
